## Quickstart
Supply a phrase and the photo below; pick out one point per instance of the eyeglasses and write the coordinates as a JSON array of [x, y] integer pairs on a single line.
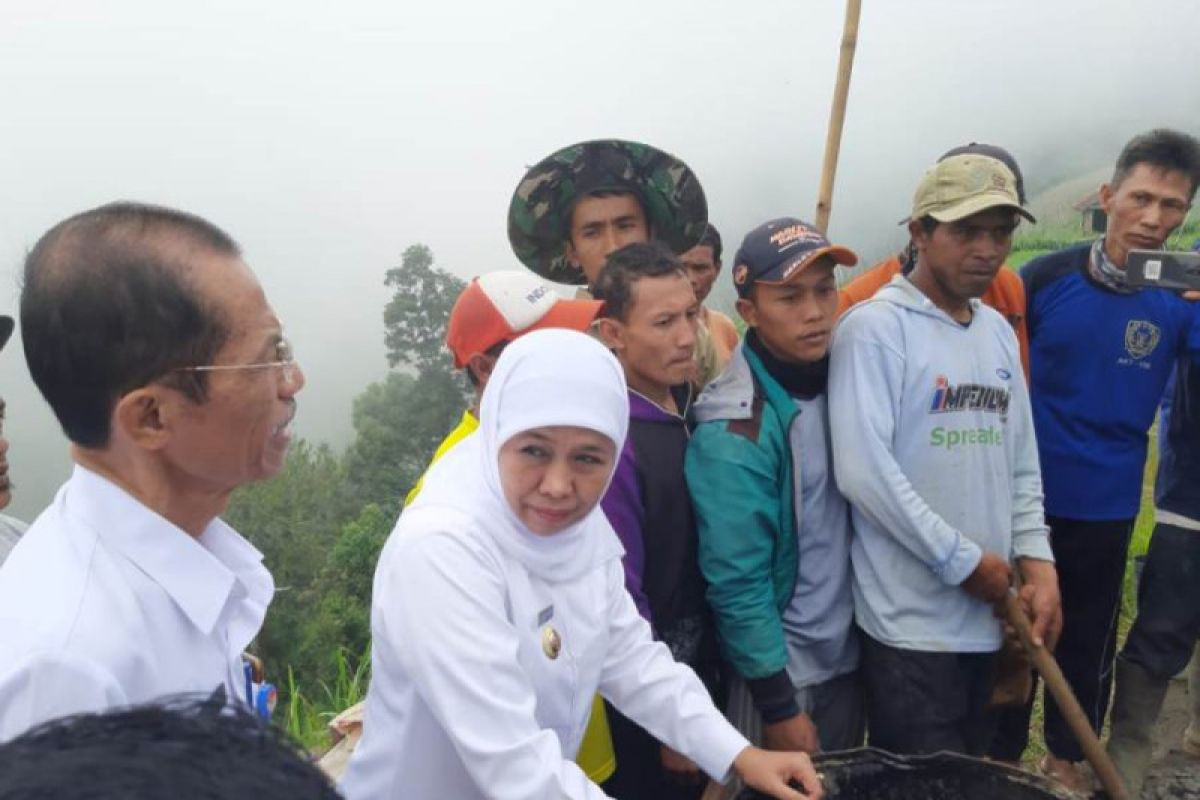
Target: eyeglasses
[[285, 362]]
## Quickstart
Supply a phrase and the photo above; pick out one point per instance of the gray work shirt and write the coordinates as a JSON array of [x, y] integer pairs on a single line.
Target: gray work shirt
[[11, 529], [818, 623]]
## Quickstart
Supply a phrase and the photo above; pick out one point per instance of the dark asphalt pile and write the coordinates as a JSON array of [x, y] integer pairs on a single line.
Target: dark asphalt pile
[[868, 774]]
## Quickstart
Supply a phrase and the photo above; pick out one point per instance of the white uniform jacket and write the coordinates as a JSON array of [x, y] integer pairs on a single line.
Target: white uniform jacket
[[483, 673]]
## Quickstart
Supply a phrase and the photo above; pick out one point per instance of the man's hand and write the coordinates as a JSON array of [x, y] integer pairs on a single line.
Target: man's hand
[[1041, 600], [794, 733], [771, 774], [990, 580], [679, 767]]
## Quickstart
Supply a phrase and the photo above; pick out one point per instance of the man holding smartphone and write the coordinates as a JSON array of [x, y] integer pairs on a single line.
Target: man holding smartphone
[[1101, 351]]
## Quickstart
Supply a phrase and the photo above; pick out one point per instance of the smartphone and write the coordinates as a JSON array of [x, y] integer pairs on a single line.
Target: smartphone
[[1163, 269]]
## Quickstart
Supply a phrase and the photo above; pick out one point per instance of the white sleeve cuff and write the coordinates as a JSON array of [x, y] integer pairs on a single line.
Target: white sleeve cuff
[[962, 561], [716, 747]]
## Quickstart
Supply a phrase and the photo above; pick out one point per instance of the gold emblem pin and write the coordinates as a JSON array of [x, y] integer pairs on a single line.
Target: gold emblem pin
[[551, 642]]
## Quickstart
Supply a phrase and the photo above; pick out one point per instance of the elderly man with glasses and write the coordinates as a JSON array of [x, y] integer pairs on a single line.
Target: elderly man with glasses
[[158, 352]]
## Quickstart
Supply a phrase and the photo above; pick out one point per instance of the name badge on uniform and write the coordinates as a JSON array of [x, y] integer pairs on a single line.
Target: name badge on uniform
[[551, 642]]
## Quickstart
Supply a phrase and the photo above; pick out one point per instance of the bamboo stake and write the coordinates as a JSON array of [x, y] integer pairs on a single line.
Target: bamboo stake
[[837, 115]]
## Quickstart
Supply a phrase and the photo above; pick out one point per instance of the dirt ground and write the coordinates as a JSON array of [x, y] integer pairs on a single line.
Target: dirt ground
[[1175, 775]]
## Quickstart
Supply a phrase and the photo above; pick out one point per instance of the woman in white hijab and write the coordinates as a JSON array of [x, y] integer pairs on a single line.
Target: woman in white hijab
[[500, 608]]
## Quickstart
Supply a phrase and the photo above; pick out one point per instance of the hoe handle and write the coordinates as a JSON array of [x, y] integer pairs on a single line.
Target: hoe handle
[[1057, 685]]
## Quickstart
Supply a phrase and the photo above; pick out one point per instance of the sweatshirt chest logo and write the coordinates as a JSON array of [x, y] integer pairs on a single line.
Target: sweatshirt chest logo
[[949, 398], [1141, 337]]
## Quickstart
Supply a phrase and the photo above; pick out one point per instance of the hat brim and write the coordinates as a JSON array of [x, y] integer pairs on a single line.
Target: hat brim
[[790, 270], [981, 202], [539, 212], [7, 324], [575, 315]]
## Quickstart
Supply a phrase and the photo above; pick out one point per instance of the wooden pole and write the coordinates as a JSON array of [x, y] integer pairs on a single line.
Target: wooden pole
[[837, 115], [1072, 712]]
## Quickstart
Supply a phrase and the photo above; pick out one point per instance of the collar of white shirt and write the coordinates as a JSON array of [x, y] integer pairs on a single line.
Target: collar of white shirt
[[202, 575]]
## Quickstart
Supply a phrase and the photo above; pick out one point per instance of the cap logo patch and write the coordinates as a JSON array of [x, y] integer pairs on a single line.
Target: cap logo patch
[[537, 294], [794, 267], [984, 177], [740, 273], [792, 234]]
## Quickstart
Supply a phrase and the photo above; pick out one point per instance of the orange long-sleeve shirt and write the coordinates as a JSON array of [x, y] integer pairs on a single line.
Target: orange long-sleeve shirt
[[1006, 295]]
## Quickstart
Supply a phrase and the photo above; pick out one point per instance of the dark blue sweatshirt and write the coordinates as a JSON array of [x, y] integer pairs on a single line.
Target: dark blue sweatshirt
[[1099, 361], [1178, 486]]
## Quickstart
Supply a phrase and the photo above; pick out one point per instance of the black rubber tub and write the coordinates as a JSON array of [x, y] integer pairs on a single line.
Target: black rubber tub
[[868, 774]]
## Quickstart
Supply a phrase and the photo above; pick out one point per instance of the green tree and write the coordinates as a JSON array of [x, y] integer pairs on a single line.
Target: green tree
[[415, 318], [294, 520], [323, 558], [352, 562], [341, 619], [399, 421]]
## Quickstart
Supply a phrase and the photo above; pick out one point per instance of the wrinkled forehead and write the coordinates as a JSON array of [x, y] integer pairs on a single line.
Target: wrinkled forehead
[[1159, 179]]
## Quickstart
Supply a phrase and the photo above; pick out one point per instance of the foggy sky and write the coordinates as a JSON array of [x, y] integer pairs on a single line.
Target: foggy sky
[[326, 137]]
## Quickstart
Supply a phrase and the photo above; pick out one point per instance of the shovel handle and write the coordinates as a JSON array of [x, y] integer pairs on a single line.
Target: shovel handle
[[1072, 712]]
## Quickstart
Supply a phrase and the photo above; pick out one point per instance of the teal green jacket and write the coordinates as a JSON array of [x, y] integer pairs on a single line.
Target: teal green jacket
[[740, 476]]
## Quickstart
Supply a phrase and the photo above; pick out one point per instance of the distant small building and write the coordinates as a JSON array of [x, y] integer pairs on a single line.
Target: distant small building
[[1093, 218]]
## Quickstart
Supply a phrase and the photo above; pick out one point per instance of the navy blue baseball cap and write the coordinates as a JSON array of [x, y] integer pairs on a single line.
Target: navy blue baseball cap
[[778, 251]]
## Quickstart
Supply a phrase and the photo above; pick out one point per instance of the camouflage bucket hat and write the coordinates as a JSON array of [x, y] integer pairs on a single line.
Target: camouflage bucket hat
[[539, 214]]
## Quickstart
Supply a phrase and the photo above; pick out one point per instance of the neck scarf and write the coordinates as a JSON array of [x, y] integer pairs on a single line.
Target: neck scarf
[[544, 378], [1104, 272], [800, 381]]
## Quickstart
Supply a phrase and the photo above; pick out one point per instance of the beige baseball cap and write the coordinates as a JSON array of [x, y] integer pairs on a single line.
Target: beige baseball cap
[[959, 186]]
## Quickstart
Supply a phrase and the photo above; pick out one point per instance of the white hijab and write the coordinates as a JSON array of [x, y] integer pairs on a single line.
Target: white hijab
[[547, 377]]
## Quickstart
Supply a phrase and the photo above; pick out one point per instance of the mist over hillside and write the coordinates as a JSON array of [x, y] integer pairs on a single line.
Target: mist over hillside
[[329, 137]]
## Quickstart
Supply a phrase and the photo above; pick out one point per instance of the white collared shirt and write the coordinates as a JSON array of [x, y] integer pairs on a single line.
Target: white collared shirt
[[105, 603]]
